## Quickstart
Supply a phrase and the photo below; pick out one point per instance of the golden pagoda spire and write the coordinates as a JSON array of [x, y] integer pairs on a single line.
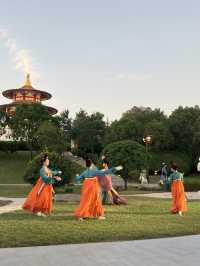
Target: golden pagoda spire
[[27, 81]]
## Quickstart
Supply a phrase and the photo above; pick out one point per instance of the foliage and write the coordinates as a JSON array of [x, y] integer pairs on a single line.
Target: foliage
[[51, 137], [69, 169], [130, 154], [64, 123], [192, 183], [88, 132], [133, 124], [162, 138], [13, 146], [26, 121], [183, 160], [184, 125]]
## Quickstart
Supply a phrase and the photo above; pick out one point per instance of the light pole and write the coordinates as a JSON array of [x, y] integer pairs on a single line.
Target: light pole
[[147, 140]]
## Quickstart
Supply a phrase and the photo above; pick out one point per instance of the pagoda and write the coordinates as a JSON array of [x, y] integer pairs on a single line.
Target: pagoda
[[25, 95]]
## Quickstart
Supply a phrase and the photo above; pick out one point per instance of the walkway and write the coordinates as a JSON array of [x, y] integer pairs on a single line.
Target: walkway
[[15, 205], [167, 195], [182, 251]]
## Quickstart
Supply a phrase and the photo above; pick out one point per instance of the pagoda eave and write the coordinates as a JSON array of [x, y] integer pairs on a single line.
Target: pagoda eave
[[10, 108], [43, 94]]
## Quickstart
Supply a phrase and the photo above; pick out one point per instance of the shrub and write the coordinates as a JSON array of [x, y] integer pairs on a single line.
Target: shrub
[[128, 153], [13, 146], [183, 160], [192, 183], [69, 169]]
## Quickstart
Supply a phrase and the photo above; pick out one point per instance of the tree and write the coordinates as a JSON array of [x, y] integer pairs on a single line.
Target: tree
[[133, 124], [130, 154], [26, 121], [51, 137], [88, 131], [184, 126], [64, 122], [162, 138]]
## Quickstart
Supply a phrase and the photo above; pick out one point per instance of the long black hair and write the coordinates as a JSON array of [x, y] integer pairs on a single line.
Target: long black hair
[[43, 159], [88, 162]]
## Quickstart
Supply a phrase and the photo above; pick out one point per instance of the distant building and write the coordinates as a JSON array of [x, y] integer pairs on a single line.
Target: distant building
[[24, 95]]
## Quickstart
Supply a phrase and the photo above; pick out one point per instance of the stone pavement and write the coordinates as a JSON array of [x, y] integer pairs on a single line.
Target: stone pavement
[[167, 195], [182, 251], [14, 205]]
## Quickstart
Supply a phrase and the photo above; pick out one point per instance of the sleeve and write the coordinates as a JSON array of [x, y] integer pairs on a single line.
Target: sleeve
[[102, 172], [47, 180], [170, 179], [54, 172], [80, 177]]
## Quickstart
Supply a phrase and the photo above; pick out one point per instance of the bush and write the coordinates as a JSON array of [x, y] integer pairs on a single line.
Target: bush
[[69, 169], [128, 153], [134, 175], [13, 146], [183, 160], [192, 183]]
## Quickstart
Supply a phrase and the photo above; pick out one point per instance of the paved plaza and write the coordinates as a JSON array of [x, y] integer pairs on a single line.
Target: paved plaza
[[178, 251]]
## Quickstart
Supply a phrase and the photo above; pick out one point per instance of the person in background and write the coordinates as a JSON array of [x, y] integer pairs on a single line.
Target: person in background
[[163, 174], [198, 166]]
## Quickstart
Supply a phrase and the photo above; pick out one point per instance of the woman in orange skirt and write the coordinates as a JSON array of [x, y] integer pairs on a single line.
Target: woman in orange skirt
[[177, 189], [39, 200], [90, 204]]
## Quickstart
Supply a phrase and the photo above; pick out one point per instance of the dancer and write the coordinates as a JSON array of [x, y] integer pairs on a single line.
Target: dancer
[[177, 189], [39, 200], [106, 184], [90, 204], [107, 187]]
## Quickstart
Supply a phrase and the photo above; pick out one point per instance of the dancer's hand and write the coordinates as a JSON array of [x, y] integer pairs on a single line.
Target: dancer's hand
[[58, 178], [118, 168]]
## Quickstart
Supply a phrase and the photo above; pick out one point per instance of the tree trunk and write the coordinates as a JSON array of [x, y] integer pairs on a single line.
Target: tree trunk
[[125, 183]]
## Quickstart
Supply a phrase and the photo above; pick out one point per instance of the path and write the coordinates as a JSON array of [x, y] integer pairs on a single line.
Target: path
[[167, 195], [15, 204], [182, 251]]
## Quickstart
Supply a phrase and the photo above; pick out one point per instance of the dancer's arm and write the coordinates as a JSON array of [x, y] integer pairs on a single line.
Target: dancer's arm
[[81, 176], [105, 172]]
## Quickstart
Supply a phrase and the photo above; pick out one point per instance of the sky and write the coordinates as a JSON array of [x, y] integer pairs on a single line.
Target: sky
[[106, 55]]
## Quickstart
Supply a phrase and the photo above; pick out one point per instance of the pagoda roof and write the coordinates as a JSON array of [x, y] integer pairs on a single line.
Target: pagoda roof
[[3, 107], [27, 88], [43, 94]]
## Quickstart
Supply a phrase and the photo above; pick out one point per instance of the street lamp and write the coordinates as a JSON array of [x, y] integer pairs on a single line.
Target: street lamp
[[147, 140]]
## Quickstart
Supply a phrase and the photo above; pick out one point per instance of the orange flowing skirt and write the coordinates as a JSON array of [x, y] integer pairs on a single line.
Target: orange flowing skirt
[[178, 197], [39, 202], [90, 205]]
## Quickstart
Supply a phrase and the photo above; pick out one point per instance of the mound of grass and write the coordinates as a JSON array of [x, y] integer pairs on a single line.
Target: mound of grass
[[12, 167]]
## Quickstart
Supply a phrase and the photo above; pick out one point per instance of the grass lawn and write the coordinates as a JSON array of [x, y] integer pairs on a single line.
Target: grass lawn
[[12, 166], [141, 218], [14, 191]]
